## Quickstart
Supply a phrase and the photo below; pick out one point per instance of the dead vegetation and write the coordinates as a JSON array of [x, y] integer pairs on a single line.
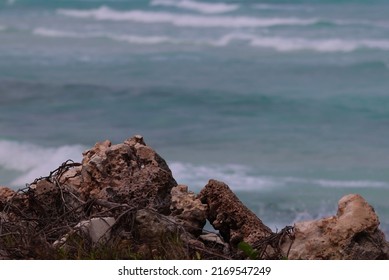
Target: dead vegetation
[[41, 221]]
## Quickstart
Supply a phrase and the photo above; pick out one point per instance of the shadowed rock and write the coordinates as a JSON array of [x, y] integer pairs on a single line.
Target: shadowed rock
[[227, 214]]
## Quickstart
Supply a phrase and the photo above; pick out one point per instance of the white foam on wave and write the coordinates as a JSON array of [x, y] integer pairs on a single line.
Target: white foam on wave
[[147, 40], [336, 183], [241, 178], [183, 20], [32, 161], [47, 32], [284, 44], [282, 7], [202, 7], [319, 45], [276, 43], [129, 38], [236, 176], [299, 44]]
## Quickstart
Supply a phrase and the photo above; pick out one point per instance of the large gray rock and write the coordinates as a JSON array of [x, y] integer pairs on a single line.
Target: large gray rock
[[352, 233]]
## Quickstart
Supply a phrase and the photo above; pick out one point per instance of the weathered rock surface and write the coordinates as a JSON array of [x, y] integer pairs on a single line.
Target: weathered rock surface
[[350, 234], [227, 214], [45, 198], [5, 196], [130, 172], [152, 225], [188, 210]]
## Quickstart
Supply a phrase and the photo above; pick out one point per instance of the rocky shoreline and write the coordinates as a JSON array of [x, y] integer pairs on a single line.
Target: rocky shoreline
[[122, 202]]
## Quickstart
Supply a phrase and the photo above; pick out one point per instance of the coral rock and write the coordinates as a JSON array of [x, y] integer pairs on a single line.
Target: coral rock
[[188, 210], [45, 198], [130, 172], [153, 226], [6, 195], [227, 214], [351, 234]]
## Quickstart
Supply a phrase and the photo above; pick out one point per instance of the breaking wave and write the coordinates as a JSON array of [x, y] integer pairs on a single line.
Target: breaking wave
[[319, 45], [184, 20], [284, 44], [240, 177], [202, 7], [32, 161], [132, 39], [276, 43]]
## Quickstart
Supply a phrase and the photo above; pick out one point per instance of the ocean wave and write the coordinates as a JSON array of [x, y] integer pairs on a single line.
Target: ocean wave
[[284, 44], [47, 32], [283, 7], [298, 44], [182, 20], [132, 39], [336, 183], [241, 178], [202, 7], [236, 176], [3, 27], [281, 44], [149, 40], [33, 161], [319, 45]]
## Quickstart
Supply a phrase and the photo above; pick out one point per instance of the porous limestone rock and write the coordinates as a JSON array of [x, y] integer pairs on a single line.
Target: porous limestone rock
[[188, 210], [130, 172], [6, 195], [230, 216], [10, 201], [154, 226], [71, 177], [45, 198], [352, 233]]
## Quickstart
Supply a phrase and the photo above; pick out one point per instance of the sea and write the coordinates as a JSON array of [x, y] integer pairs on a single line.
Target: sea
[[285, 101]]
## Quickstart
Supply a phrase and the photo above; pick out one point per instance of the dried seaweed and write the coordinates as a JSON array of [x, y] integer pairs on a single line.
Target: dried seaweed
[[274, 241], [40, 222]]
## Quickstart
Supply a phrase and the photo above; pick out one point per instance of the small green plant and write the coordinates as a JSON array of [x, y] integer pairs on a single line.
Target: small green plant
[[248, 250]]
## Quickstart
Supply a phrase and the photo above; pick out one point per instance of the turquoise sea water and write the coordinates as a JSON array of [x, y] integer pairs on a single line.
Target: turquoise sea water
[[285, 101]]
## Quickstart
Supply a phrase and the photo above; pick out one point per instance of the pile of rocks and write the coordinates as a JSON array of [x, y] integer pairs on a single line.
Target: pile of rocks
[[124, 198]]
